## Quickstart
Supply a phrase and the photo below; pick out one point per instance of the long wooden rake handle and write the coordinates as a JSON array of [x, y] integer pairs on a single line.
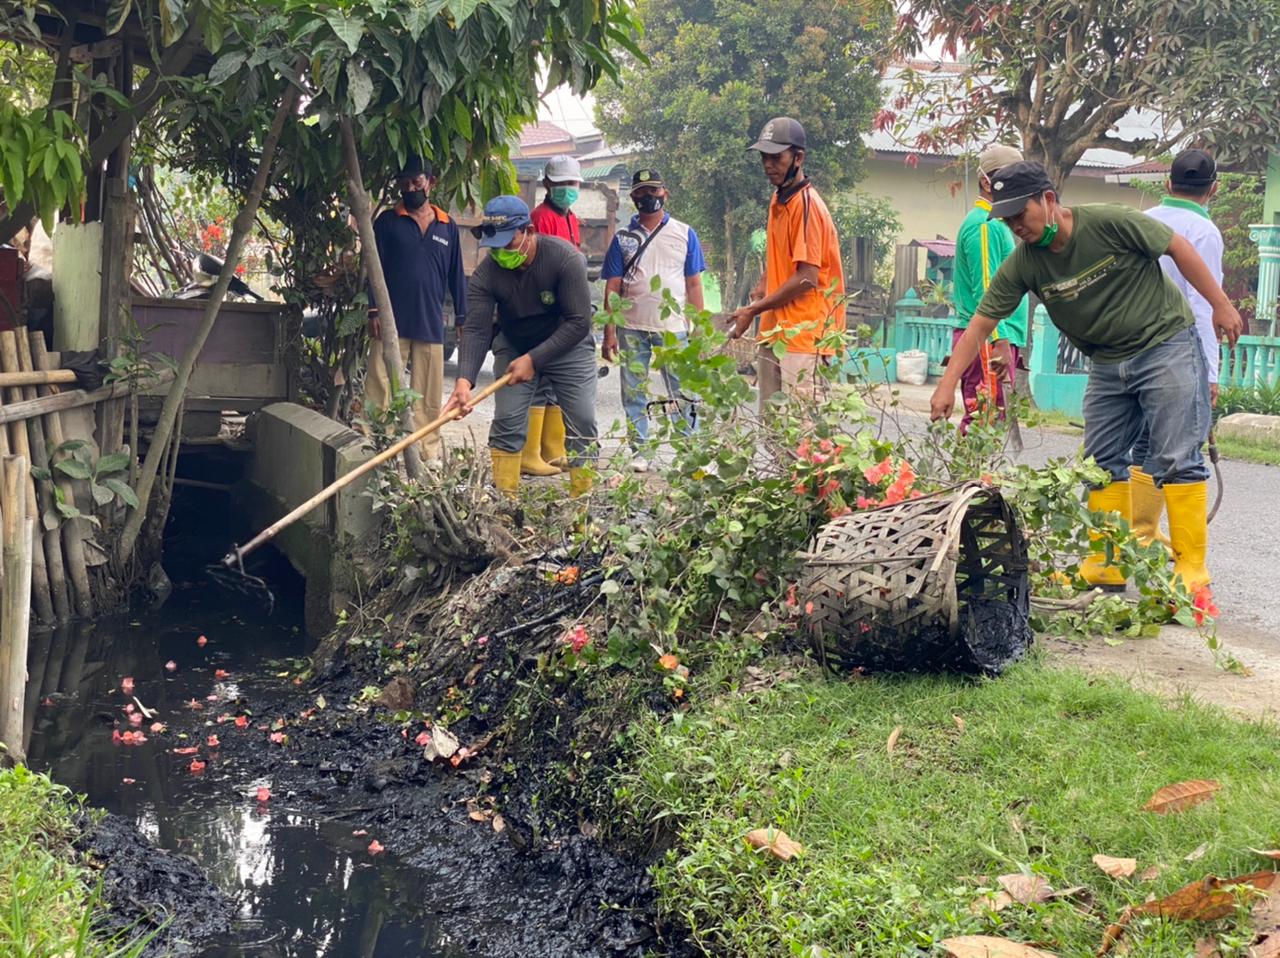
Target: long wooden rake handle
[[234, 558]]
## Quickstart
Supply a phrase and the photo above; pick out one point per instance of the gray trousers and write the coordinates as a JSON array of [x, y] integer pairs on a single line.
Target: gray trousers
[[574, 378]]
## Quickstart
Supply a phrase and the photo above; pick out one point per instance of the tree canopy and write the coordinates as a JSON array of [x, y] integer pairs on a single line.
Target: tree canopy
[[1060, 74], [711, 72]]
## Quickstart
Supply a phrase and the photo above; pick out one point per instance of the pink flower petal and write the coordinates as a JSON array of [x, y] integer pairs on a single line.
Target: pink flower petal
[[171, 666]]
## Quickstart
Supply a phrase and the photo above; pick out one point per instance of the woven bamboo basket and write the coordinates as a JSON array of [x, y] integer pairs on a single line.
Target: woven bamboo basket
[[931, 584]]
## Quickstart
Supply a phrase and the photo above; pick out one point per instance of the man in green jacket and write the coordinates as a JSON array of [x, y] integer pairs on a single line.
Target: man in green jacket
[[981, 246], [1097, 271]]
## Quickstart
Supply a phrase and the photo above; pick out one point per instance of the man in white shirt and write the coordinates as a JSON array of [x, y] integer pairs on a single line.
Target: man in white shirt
[[1193, 180], [654, 244]]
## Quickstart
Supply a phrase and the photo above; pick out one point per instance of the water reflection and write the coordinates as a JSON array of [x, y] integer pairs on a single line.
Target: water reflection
[[304, 887]]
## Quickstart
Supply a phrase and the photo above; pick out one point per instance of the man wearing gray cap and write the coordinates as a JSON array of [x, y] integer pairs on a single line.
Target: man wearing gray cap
[[981, 246], [800, 297]]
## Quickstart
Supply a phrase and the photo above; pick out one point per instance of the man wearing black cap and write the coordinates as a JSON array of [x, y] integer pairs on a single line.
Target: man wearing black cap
[[655, 244], [801, 294], [422, 260], [1097, 271], [1193, 180], [538, 286]]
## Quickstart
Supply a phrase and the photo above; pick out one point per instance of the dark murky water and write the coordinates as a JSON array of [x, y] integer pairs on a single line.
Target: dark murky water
[[302, 886]]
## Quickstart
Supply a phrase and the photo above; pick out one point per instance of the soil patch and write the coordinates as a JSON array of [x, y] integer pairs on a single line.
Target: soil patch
[[149, 891], [1178, 663]]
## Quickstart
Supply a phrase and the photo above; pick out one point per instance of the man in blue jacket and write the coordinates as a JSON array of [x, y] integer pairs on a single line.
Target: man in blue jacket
[[422, 260]]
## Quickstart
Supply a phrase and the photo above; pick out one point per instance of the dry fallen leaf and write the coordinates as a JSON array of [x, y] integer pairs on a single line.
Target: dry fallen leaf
[[1198, 853], [959, 723], [1027, 889], [1264, 917], [992, 901], [1269, 947], [1181, 795], [499, 823], [776, 842], [1272, 853], [893, 740], [1151, 873], [985, 946], [442, 744], [1207, 948], [1207, 899], [1116, 867]]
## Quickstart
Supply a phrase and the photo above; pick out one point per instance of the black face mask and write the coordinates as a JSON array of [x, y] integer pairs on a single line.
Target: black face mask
[[414, 199], [649, 203]]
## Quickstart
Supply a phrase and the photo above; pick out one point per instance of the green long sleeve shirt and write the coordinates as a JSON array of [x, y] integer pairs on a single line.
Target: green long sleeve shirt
[[983, 241]]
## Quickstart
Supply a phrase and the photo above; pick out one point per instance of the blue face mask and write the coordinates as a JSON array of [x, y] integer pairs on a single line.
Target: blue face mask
[[564, 196]]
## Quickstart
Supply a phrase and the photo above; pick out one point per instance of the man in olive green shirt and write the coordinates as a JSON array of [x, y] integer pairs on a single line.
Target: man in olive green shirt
[[1097, 271], [981, 246]]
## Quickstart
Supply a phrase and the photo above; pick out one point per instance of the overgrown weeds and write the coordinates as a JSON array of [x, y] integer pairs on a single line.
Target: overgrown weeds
[[47, 896]]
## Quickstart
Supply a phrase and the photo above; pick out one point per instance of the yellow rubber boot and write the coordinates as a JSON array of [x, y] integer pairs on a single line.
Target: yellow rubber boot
[[580, 481], [1189, 531], [553, 438], [531, 461], [506, 471], [1147, 503], [1094, 569]]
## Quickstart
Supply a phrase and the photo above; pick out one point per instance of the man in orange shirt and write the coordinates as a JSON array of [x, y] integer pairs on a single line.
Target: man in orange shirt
[[800, 297]]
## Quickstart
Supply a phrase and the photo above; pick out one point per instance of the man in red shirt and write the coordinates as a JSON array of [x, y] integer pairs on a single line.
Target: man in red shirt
[[544, 448]]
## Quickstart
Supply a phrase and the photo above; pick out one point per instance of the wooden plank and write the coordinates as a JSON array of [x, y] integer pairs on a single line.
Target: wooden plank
[[15, 602], [38, 377]]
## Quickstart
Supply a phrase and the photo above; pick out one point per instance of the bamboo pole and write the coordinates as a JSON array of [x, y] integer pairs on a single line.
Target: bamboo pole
[[40, 378], [15, 601], [75, 398], [32, 352], [269, 533], [11, 349], [19, 446]]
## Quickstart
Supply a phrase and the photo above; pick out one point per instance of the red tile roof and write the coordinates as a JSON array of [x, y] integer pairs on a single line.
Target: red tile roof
[[543, 134]]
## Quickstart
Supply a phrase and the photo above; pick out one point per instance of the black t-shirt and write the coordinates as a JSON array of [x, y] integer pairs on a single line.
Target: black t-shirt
[[543, 310]]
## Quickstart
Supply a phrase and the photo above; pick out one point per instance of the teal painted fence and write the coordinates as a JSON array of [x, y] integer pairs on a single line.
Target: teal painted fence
[[932, 334], [1059, 372]]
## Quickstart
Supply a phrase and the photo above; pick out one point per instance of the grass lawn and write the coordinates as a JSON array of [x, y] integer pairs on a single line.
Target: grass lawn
[[46, 896], [1249, 450], [1035, 772]]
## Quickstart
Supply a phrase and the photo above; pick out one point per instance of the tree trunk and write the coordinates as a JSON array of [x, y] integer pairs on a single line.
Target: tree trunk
[[173, 400], [360, 208], [729, 283]]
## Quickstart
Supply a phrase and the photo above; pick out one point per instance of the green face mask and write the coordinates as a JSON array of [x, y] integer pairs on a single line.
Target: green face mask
[[564, 196], [1050, 231], [510, 258]]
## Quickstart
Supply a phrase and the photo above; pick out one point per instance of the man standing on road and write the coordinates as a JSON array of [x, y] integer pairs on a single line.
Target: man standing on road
[[654, 244], [981, 246], [544, 452], [1096, 269], [422, 260], [539, 286], [1193, 180], [801, 294]]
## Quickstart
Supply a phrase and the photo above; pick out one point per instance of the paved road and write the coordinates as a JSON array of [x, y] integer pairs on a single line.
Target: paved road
[[1244, 537]]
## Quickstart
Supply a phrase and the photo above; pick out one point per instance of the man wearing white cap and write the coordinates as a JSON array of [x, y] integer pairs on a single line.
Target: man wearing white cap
[[981, 246], [544, 449]]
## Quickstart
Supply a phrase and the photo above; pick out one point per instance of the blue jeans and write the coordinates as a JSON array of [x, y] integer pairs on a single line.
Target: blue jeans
[[1164, 391], [573, 376], [636, 349]]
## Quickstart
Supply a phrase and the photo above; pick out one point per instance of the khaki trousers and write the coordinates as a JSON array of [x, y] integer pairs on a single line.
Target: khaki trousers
[[426, 378], [796, 374]]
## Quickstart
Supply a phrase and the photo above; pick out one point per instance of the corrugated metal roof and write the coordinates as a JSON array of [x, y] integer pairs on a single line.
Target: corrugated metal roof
[[941, 247], [543, 133]]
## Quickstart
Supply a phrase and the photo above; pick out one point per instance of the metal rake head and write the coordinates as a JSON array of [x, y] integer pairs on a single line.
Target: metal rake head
[[230, 574]]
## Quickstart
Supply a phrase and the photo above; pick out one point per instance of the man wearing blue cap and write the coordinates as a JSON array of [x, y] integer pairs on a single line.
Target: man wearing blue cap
[[422, 259], [538, 285]]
